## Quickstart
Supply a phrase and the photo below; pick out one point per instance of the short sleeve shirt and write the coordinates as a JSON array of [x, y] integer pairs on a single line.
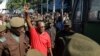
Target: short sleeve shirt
[[41, 42]]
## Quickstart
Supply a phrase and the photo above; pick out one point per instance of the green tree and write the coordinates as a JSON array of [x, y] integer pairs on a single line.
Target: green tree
[[15, 4]]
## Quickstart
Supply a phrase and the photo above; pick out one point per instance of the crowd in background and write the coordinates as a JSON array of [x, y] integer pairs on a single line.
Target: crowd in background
[[54, 23], [48, 34]]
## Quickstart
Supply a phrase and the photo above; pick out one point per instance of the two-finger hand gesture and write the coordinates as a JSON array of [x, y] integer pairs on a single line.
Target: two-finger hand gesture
[[26, 7]]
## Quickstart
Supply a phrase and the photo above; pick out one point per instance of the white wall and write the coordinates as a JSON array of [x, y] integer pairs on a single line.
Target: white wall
[[3, 6]]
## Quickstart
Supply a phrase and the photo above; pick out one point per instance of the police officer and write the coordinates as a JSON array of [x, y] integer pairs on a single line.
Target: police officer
[[80, 45], [17, 41], [3, 46]]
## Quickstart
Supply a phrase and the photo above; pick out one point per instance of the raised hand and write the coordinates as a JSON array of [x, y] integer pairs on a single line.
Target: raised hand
[[27, 17], [26, 7]]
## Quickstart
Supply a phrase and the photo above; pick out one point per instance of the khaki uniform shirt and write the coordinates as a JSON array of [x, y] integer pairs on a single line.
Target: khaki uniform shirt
[[17, 48]]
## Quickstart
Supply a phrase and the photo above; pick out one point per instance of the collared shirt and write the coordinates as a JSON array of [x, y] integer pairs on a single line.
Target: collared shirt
[[41, 42], [15, 37], [2, 39]]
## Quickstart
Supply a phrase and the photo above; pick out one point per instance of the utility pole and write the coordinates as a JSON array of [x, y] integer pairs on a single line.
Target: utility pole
[[62, 7], [41, 7], [53, 11], [47, 5], [53, 6]]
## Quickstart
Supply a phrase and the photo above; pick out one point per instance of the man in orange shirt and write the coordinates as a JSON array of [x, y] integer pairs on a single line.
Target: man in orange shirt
[[40, 39]]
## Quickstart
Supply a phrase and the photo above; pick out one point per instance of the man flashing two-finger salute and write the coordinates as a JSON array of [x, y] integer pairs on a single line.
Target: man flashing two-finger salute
[[40, 39]]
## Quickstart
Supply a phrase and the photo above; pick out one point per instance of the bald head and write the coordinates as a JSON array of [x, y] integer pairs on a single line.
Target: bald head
[[41, 26], [40, 23]]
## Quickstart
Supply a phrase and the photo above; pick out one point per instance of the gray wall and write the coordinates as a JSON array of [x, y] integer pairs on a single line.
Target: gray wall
[[94, 8]]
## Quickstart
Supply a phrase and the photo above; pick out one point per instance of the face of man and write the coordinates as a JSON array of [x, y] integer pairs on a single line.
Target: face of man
[[21, 29], [66, 28], [41, 27], [2, 33], [17, 31]]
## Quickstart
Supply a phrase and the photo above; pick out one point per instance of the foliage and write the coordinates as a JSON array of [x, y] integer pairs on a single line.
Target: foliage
[[15, 4]]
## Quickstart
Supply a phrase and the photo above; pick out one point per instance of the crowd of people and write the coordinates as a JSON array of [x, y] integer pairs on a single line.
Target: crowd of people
[[48, 34], [32, 30]]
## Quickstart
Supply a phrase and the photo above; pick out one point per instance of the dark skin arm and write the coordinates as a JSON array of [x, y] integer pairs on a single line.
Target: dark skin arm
[[50, 51], [28, 20]]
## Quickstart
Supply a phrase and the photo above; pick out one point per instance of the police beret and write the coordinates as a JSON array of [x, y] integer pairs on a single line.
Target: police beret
[[33, 52], [17, 22], [2, 28], [81, 45]]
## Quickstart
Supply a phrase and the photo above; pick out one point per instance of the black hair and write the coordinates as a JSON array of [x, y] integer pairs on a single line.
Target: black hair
[[14, 31]]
